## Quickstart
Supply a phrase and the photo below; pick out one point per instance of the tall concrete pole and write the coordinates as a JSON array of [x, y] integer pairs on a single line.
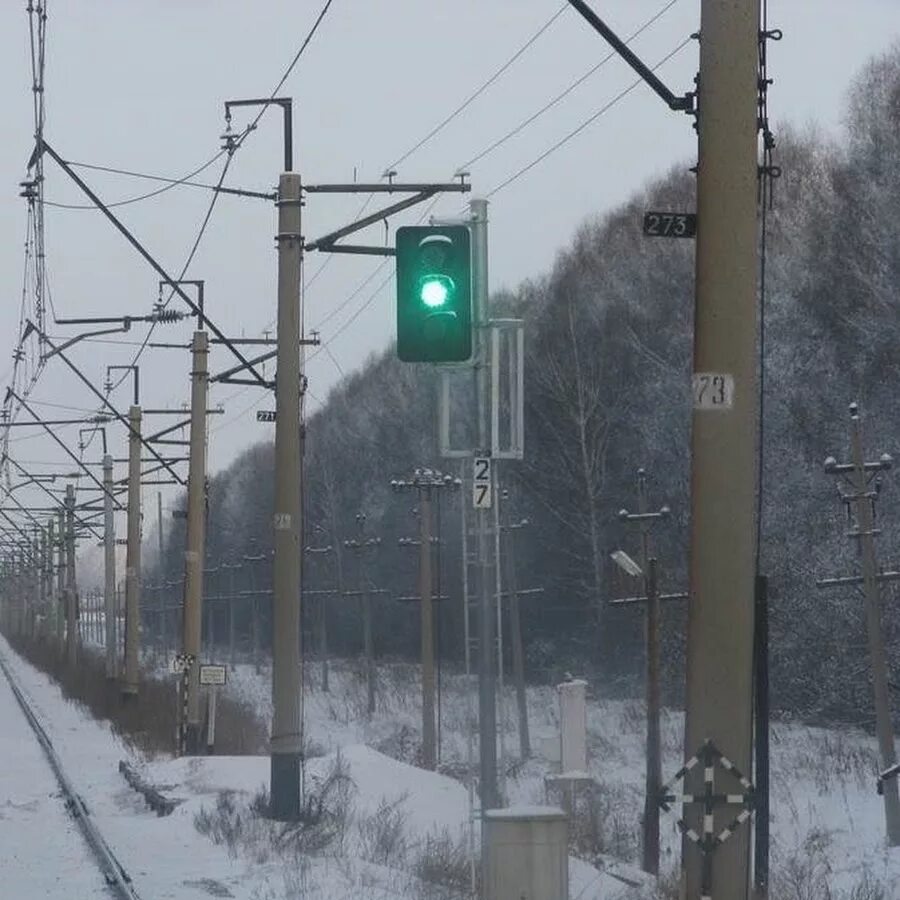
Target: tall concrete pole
[[487, 698], [429, 737], [47, 580], [883, 727], [38, 595], [163, 612], [109, 567], [60, 548], [71, 589], [194, 553], [133, 558], [725, 421], [287, 674]]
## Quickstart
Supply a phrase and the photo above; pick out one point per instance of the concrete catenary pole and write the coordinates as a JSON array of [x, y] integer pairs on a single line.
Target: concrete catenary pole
[[109, 568], [60, 548], [71, 590], [194, 553], [161, 558], [429, 736], [47, 578], [133, 557], [287, 674], [725, 423], [487, 698], [883, 727], [39, 615]]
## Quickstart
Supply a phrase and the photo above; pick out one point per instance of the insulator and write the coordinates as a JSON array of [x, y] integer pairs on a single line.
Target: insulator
[[163, 316]]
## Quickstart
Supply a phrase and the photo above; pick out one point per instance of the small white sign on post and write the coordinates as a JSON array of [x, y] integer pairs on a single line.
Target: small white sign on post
[[482, 486], [713, 390], [213, 675]]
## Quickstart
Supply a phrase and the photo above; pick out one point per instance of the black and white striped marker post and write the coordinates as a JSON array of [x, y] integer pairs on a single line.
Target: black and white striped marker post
[[183, 663], [709, 756]]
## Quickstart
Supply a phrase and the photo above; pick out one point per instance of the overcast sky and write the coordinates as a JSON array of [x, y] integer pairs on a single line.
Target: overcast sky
[[140, 85]]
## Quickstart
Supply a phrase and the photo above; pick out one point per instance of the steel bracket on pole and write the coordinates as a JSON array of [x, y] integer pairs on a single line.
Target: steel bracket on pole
[[506, 373]]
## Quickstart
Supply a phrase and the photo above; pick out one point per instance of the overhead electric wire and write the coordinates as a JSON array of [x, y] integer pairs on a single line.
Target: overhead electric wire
[[447, 119], [522, 125], [563, 94], [480, 90], [170, 184], [589, 121]]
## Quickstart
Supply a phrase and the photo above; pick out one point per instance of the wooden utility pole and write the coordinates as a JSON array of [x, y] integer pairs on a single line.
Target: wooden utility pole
[[321, 620], [515, 627], [360, 546], [860, 474], [424, 482], [724, 452], [644, 519], [429, 734]]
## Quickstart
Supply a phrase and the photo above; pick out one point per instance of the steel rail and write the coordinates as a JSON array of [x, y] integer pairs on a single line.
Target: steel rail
[[113, 871]]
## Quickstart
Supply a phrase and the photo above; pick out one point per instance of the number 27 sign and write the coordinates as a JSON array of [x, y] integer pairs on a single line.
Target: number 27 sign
[[481, 483]]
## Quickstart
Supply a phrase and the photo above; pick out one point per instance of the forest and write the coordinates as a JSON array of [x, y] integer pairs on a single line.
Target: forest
[[608, 364]]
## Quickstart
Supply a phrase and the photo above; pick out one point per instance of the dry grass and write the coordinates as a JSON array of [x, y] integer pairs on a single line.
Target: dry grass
[[146, 722]]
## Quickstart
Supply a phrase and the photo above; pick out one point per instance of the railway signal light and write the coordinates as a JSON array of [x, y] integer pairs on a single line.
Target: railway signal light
[[434, 293]]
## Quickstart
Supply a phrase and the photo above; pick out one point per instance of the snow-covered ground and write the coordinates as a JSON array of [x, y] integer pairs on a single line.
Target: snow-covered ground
[[42, 852], [387, 825]]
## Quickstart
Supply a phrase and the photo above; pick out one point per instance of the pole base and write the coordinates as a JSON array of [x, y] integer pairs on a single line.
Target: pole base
[[192, 739], [284, 789], [129, 693]]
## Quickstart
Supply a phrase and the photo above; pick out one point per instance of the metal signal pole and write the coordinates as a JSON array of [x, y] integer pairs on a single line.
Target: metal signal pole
[[487, 697], [133, 557], [287, 674], [725, 424], [196, 537]]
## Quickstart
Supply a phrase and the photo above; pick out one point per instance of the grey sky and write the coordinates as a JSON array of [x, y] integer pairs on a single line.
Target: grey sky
[[140, 85]]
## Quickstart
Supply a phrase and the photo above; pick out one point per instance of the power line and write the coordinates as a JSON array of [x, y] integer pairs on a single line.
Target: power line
[[590, 120], [237, 144], [446, 121], [170, 183], [578, 81], [480, 90]]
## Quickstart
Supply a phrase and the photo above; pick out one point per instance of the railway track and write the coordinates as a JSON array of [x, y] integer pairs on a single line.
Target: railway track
[[114, 873]]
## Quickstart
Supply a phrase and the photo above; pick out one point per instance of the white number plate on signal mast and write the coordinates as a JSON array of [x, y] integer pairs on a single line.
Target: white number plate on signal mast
[[481, 483]]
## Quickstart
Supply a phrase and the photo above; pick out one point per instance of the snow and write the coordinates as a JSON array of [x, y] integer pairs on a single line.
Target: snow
[[826, 814], [42, 851], [522, 811]]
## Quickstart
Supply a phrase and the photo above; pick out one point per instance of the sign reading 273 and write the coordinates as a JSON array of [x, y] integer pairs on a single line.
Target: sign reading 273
[[481, 483]]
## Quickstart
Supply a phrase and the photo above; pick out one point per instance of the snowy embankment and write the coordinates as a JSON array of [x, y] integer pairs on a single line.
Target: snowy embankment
[[388, 829]]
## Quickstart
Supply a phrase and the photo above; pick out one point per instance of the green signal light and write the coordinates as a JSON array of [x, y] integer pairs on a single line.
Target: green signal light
[[434, 291]]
